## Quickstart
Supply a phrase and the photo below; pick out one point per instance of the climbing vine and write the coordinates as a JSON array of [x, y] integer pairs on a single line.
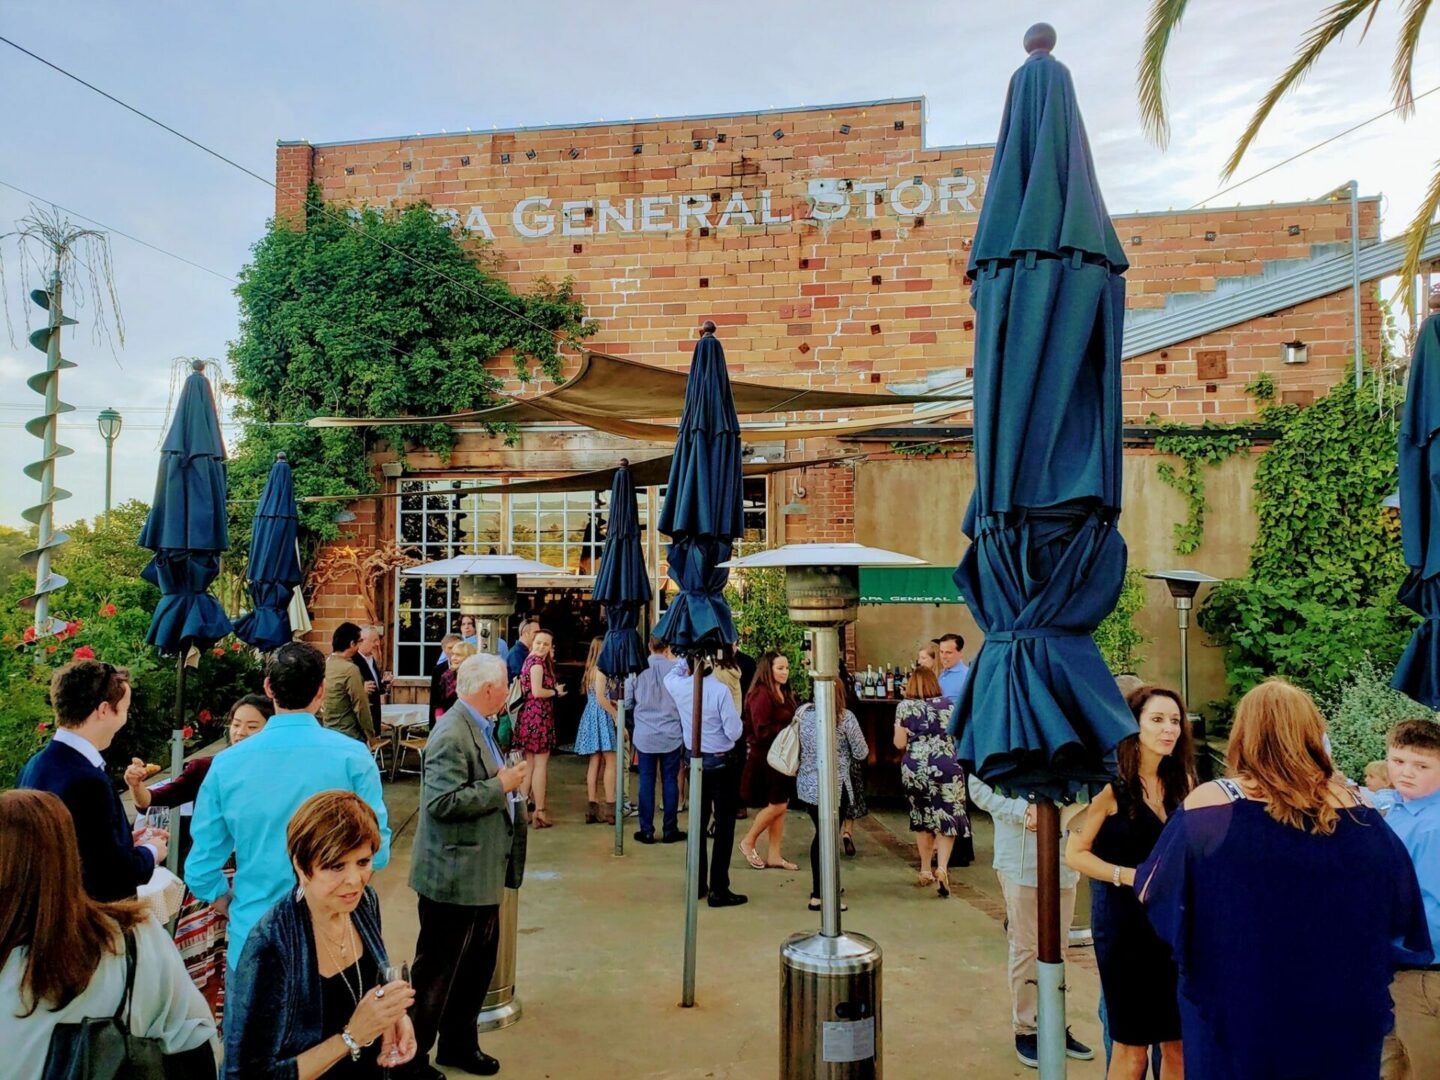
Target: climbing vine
[[1198, 449]]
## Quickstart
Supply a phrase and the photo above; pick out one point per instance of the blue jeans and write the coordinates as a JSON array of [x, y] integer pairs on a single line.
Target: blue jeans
[[669, 764]]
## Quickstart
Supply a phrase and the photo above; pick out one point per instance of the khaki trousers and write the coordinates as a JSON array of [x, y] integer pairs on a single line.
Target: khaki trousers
[[1021, 912], [1412, 1051]]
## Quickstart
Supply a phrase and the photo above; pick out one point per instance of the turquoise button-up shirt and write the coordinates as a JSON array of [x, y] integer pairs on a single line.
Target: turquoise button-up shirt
[[1417, 823], [245, 806]]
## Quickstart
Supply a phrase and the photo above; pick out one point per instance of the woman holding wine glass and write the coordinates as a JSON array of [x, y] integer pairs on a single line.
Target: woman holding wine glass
[[314, 993]]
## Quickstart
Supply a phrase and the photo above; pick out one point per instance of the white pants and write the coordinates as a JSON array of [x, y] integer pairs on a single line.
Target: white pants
[[1021, 914]]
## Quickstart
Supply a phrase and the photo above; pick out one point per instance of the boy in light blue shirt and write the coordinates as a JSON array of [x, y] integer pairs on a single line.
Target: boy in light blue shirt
[[254, 788], [1413, 761]]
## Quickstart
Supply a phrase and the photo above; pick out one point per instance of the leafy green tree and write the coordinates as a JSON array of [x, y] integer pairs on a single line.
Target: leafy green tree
[[374, 314], [13, 542], [762, 619], [1335, 19]]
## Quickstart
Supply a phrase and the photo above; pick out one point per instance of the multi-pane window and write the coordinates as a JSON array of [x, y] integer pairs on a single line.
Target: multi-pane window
[[562, 529]]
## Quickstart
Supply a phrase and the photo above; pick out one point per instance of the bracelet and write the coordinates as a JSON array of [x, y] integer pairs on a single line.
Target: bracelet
[[350, 1042], [1115, 876]]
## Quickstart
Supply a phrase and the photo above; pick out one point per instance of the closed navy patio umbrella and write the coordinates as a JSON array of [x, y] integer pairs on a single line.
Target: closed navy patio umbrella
[[274, 569], [1040, 714], [187, 528], [703, 515], [1418, 672], [622, 584]]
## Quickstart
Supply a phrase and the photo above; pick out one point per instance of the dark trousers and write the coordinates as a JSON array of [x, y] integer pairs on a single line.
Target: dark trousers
[[814, 812], [719, 796], [669, 766], [454, 963]]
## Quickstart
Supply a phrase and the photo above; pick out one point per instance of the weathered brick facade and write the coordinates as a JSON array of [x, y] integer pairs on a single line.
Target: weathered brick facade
[[829, 244]]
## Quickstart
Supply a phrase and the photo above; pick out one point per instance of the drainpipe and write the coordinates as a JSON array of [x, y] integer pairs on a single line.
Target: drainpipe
[[1355, 275]]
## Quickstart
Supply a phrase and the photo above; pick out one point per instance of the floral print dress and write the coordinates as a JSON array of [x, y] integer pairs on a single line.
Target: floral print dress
[[933, 780], [535, 726]]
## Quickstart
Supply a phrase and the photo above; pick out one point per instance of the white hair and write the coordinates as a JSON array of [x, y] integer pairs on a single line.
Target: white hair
[[479, 671]]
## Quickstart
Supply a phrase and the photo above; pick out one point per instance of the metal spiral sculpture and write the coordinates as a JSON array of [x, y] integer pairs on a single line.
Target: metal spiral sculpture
[[46, 427]]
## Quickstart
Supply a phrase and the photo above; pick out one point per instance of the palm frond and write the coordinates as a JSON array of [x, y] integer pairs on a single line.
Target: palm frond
[[1163, 20], [1333, 23], [1405, 49], [1415, 236]]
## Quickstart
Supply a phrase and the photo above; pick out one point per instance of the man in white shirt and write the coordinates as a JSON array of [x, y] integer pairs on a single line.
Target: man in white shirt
[[720, 731]]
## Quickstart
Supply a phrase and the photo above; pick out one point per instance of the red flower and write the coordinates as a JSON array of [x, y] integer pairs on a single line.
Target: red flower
[[61, 635], [236, 646], [42, 727], [29, 634], [50, 648], [72, 627], [217, 652], [84, 652], [187, 731], [205, 716], [108, 611]]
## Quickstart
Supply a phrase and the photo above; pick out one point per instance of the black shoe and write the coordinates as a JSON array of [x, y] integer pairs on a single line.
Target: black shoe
[[1076, 1049], [472, 1061], [849, 846], [1027, 1049], [644, 838], [727, 899], [673, 837]]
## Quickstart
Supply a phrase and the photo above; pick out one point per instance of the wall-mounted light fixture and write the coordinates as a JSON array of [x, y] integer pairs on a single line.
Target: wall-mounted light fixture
[[637, 148], [530, 154], [504, 159], [1293, 230], [779, 133], [844, 129], [1296, 352]]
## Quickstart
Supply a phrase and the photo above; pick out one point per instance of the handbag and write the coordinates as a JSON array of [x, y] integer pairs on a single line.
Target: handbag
[[104, 1048], [784, 754]]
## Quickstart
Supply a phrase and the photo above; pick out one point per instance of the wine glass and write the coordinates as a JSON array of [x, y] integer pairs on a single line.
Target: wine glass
[[388, 974]]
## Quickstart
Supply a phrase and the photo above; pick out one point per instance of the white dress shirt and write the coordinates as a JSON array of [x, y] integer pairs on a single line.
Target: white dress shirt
[[720, 725]]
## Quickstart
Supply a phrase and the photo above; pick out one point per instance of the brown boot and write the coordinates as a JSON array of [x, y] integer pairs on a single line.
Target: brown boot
[[607, 813], [592, 813]]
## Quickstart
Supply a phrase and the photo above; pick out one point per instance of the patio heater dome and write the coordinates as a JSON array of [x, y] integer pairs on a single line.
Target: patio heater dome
[[822, 581]]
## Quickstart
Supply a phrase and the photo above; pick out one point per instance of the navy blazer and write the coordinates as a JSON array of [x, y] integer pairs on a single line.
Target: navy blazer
[[273, 1009], [112, 865]]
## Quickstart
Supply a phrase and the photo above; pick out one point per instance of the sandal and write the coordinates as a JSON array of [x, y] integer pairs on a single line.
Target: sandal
[[542, 821], [943, 877], [781, 865], [849, 846], [926, 880], [752, 857], [815, 904]]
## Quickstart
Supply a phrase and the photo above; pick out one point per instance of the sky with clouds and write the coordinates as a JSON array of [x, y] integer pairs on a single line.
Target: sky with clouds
[[238, 77]]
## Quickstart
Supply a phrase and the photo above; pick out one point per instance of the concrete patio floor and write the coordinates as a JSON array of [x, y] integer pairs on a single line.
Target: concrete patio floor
[[601, 946]]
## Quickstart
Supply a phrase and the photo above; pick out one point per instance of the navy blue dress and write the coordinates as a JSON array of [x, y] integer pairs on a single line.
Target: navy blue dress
[[1137, 973], [1285, 940]]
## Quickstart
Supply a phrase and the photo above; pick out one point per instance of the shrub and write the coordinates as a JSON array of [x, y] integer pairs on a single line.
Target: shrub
[[1360, 712], [757, 603], [1117, 637]]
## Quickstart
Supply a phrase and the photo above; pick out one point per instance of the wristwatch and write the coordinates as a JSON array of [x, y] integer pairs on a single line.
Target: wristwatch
[[350, 1042]]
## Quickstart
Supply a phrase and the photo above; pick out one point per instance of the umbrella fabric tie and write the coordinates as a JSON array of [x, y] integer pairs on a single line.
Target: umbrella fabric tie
[[1037, 632]]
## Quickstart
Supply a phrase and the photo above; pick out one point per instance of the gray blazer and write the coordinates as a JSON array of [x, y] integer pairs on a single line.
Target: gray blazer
[[466, 848]]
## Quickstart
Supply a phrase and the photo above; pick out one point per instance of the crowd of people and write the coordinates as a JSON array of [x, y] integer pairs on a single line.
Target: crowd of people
[[1231, 919]]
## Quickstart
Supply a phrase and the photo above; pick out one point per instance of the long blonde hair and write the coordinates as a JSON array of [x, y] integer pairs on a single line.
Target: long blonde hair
[[1277, 743], [592, 658]]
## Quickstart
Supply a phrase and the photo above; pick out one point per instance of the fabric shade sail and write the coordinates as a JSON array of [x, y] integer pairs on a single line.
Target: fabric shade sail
[[1040, 714], [1418, 672]]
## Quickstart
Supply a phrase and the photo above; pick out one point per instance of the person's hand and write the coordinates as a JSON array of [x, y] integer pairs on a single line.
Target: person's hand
[[512, 776], [398, 1045], [1031, 817], [136, 773], [369, 686], [222, 905], [560, 690], [1127, 876], [159, 841], [380, 1010]]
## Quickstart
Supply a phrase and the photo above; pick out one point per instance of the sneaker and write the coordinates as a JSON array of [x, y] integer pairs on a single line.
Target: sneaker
[[631, 809], [1076, 1049], [1027, 1049]]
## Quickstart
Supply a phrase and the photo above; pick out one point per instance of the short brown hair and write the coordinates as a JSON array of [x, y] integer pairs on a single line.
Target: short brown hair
[[922, 684], [79, 688], [328, 825], [1416, 734]]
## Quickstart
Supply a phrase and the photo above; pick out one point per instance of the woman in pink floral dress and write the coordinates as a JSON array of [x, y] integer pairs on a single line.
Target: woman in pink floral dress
[[535, 726]]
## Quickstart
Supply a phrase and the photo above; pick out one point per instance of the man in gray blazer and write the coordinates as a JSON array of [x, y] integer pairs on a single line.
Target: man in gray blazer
[[469, 846]]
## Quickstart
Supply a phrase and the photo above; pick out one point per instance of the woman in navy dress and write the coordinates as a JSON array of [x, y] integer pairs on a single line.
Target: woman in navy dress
[[1288, 905], [931, 775], [1155, 771]]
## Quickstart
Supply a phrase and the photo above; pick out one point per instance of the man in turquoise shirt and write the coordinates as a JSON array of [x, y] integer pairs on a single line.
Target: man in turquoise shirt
[[254, 788]]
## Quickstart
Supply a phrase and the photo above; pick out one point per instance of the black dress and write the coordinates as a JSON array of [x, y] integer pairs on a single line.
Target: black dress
[[1137, 974], [338, 1004]]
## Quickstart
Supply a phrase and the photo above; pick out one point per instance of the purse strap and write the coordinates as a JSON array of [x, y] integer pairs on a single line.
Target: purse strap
[[126, 1002]]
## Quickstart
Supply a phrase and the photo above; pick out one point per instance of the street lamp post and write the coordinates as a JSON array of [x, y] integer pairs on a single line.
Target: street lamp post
[[829, 982], [1183, 585], [110, 423], [487, 592]]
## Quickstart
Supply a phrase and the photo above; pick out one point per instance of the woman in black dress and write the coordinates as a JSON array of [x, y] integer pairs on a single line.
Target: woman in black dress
[[1155, 770]]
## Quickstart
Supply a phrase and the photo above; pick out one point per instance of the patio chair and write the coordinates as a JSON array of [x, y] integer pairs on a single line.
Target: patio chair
[[412, 741]]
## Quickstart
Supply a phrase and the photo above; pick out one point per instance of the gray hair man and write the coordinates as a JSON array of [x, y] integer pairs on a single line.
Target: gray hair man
[[372, 668], [469, 847]]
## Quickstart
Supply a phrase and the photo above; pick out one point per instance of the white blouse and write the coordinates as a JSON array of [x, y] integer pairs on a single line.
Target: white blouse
[[165, 1004]]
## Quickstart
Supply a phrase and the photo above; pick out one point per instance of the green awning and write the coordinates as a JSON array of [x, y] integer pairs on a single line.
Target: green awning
[[908, 585]]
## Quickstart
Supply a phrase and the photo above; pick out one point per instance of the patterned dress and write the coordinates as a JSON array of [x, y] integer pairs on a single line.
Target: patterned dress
[[535, 726], [597, 729], [933, 780]]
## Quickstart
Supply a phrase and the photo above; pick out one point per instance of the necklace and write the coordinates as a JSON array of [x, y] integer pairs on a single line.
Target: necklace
[[342, 971]]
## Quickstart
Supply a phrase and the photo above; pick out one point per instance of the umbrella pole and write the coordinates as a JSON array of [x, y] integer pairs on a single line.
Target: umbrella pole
[[177, 755], [694, 839], [622, 766], [1050, 966]]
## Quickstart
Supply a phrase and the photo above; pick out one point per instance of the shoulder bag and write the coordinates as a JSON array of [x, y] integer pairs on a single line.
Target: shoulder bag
[[784, 755]]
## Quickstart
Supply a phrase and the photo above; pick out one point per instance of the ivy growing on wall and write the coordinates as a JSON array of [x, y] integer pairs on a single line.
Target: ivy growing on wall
[[1117, 636], [1198, 449]]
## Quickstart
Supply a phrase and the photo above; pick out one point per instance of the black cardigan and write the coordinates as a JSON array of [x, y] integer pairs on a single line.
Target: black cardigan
[[273, 1012]]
